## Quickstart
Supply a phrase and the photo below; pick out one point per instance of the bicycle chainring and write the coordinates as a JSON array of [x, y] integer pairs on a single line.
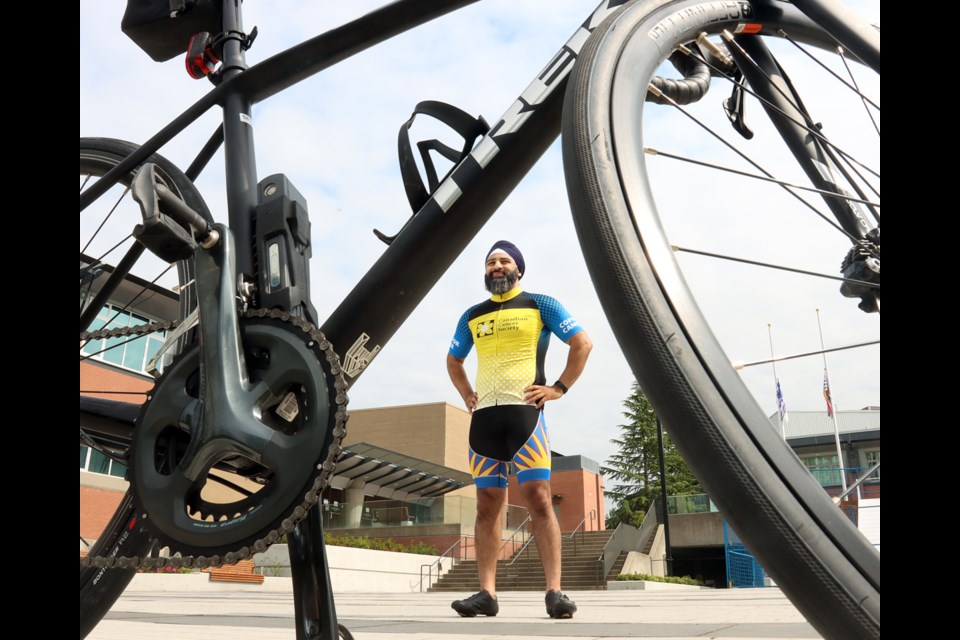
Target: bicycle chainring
[[223, 499]]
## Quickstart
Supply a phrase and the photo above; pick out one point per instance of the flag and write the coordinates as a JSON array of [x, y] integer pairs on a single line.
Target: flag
[[826, 393], [781, 405]]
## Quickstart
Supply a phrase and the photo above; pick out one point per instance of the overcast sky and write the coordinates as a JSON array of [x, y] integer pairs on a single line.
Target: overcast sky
[[335, 135]]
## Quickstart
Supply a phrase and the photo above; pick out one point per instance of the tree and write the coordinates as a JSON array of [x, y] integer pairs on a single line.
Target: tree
[[636, 465]]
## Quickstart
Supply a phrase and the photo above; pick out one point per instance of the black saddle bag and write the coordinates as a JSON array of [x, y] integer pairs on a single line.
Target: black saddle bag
[[163, 28]]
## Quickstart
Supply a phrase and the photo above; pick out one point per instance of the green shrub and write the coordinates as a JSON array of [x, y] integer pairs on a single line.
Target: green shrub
[[166, 570], [381, 544], [670, 579]]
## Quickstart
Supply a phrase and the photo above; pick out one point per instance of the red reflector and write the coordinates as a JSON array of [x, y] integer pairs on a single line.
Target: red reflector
[[751, 28], [133, 523]]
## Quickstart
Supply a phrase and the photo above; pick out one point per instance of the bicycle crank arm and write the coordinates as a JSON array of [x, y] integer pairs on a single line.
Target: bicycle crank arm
[[222, 420]]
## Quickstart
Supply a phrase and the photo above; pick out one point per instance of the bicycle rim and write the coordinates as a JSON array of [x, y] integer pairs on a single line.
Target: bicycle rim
[[105, 229], [628, 230]]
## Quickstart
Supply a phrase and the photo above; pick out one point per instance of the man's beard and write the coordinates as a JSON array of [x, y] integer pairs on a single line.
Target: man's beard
[[500, 285]]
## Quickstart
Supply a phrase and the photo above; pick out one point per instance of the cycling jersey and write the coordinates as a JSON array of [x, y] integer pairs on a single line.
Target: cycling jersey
[[511, 333]]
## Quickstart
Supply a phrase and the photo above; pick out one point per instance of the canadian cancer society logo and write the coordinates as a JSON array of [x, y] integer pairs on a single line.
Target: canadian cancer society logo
[[485, 328]]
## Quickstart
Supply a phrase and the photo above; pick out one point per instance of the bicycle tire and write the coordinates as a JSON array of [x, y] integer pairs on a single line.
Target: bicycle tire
[[99, 588], [787, 520]]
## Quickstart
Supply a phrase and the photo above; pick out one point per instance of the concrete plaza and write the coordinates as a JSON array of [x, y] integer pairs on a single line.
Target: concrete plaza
[[243, 615]]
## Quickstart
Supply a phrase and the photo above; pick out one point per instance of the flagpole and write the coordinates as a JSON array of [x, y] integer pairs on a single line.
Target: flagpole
[[832, 407], [781, 405]]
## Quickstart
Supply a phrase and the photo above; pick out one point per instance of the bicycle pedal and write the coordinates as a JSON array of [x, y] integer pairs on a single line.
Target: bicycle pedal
[[159, 233]]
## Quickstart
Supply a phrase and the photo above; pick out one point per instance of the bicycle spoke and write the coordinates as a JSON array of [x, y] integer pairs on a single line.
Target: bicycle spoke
[[793, 100], [111, 347], [854, 81], [660, 95], [136, 298], [819, 352], [783, 34], [104, 222], [811, 129], [852, 162], [773, 266], [666, 154], [96, 262]]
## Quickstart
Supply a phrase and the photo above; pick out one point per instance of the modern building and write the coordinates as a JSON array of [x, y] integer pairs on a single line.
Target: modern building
[[704, 546], [815, 438]]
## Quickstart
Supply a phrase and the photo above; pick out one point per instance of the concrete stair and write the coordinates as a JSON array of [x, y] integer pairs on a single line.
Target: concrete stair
[[579, 559]]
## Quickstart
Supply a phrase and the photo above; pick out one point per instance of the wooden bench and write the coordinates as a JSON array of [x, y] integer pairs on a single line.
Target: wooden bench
[[239, 572], [392, 515]]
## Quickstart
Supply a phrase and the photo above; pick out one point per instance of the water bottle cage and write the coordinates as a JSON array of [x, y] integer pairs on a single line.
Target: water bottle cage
[[468, 127]]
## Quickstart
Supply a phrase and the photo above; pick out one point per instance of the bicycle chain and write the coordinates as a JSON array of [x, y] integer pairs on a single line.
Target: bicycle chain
[[123, 332], [310, 499]]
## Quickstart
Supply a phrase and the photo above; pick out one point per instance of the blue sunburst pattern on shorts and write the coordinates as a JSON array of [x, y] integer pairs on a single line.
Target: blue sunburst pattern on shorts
[[533, 459]]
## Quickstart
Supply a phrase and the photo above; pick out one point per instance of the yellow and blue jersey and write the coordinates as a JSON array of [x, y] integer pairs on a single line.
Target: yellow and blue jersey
[[511, 333]]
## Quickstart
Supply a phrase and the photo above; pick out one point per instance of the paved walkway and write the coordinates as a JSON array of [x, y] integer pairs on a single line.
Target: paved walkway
[[242, 615]]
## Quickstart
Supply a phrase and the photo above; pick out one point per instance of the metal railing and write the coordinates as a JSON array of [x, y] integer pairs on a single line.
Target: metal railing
[[830, 477], [371, 514], [461, 543], [695, 503], [592, 515], [524, 548], [625, 537]]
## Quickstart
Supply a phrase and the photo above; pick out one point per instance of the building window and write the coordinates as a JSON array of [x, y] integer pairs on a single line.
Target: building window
[[129, 353], [95, 462], [872, 457], [824, 468]]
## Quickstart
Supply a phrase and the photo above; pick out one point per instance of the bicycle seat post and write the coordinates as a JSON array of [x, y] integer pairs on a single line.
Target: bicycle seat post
[[241, 166]]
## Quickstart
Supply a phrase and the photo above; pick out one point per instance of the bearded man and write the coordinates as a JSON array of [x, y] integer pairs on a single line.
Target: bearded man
[[511, 332]]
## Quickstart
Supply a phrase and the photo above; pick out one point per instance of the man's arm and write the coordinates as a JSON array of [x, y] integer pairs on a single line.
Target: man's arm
[[580, 347], [458, 375]]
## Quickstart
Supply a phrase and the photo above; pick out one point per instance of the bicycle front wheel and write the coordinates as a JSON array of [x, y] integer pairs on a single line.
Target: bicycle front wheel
[[112, 371], [665, 314]]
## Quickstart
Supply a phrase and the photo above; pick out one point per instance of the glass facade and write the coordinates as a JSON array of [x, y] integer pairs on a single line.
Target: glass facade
[[95, 462], [130, 353], [872, 457], [824, 468]]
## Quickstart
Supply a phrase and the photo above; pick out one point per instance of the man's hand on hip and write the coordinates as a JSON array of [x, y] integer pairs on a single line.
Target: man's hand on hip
[[538, 394]]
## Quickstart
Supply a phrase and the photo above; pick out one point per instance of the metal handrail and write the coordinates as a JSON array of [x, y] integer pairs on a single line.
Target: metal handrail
[[515, 557], [519, 529], [436, 563], [460, 540], [592, 514], [523, 548]]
